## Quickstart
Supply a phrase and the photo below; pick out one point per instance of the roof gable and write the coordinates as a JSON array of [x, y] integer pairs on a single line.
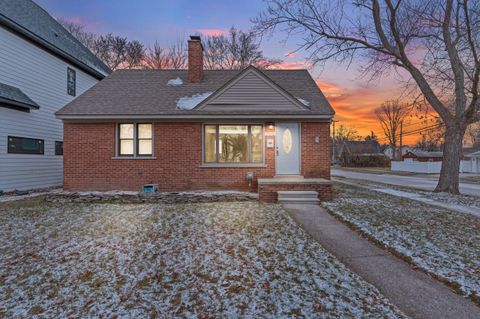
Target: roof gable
[[13, 97], [251, 90]]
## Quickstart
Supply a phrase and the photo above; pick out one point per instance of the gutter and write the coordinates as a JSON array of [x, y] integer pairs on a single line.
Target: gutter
[[193, 116], [49, 47]]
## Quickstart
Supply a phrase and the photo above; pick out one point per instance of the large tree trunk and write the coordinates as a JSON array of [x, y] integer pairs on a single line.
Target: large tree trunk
[[452, 155]]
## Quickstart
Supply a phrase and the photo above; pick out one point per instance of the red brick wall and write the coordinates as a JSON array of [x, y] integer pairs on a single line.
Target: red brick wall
[[316, 156], [89, 149], [268, 192]]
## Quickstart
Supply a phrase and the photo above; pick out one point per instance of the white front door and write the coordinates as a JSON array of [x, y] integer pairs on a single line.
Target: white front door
[[287, 149]]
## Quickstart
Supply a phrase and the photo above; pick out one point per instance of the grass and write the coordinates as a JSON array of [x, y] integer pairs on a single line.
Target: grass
[[239, 259], [443, 243]]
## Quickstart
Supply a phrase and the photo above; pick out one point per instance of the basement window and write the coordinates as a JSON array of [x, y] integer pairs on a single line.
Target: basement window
[[135, 139], [24, 145]]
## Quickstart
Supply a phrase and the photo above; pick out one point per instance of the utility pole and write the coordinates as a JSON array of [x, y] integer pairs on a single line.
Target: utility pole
[[401, 139]]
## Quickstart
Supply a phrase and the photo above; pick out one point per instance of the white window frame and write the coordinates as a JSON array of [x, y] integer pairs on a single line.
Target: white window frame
[[135, 141]]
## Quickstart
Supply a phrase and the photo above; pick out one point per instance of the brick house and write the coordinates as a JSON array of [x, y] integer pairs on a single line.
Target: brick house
[[198, 129]]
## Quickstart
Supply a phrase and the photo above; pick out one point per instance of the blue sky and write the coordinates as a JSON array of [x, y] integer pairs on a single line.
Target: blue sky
[[166, 21]]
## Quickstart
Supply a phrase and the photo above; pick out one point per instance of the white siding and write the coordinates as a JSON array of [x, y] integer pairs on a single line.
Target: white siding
[[250, 93], [43, 77]]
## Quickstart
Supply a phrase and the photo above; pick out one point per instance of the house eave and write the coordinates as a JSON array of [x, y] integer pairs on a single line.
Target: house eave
[[309, 117]]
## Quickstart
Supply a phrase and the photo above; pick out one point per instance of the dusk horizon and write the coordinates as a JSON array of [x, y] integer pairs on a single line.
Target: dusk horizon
[[353, 96]]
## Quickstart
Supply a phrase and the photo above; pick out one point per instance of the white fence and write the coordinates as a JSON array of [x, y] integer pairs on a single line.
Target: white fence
[[466, 166], [416, 167]]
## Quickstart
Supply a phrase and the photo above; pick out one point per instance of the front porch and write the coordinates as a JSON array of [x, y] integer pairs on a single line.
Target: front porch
[[268, 188]]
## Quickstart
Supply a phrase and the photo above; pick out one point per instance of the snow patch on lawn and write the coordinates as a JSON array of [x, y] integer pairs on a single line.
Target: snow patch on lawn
[[190, 102], [187, 260], [440, 241]]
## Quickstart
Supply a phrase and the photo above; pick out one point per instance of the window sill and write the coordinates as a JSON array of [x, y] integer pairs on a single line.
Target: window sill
[[134, 158], [232, 165]]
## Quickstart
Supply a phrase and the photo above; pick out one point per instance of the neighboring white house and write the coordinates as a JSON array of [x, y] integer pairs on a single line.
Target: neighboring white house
[[388, 151], [471, 164], [431, 163], [42, 67]]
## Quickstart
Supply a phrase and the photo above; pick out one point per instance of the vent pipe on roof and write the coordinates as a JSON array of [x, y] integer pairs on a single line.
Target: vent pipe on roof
[[195, 59]]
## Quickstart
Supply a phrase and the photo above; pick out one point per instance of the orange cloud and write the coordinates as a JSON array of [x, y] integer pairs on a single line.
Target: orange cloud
[[211, 32], [355, 107]]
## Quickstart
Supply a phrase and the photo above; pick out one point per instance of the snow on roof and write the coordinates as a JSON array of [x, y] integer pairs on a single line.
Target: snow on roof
[[189, 102], [304, 102], [175, 82]]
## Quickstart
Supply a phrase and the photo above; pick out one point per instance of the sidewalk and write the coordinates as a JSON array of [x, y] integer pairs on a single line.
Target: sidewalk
[[414, 292]]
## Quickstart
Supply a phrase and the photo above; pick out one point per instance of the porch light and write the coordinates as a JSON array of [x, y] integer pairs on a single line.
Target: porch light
[[270, 125]]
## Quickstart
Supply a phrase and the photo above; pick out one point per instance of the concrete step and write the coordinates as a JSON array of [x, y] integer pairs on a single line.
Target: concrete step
[[308, 201], [298, 197], [297, 194]]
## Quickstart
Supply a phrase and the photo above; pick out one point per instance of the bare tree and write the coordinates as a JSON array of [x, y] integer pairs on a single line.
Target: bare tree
[[436, 42], [391, 115], [115, 51], [173, 57], [346, 133], [433, 138], [235, 50], [79, 32], [134, 54], [473, 134]]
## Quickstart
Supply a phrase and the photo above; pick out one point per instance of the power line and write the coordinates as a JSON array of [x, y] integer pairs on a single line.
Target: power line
[[417, 131]]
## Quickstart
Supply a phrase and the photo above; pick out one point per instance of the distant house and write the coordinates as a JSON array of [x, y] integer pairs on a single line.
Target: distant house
[[431, 162], [42, 68], [361, 153], [423, 156], [471, 163], [388, 151]]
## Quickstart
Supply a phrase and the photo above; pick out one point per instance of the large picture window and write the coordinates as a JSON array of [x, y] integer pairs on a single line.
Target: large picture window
[[24, 145], [233, 144], [135, 139]]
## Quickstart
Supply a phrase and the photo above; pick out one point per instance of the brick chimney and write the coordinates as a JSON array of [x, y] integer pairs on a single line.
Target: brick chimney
[[195, 59]]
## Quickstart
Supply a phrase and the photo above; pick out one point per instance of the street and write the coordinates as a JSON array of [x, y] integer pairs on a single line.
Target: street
[[406, 181]]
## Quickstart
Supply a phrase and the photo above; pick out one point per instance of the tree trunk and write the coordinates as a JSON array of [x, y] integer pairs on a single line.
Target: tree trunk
[[452, 155]]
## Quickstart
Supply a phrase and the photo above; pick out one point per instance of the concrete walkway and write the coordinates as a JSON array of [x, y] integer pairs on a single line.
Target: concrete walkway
[[408, 181], [414, 292]]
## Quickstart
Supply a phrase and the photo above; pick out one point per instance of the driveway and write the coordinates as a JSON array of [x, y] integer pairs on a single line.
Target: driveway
[[406, 181]]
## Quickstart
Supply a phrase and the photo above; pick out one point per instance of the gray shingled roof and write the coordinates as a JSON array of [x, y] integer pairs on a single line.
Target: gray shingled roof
[[427, 154], [362, 147], [13, 96], [145, 92], [32, 21]]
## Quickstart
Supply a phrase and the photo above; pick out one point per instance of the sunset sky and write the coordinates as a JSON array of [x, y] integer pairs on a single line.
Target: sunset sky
[[353, 97]]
